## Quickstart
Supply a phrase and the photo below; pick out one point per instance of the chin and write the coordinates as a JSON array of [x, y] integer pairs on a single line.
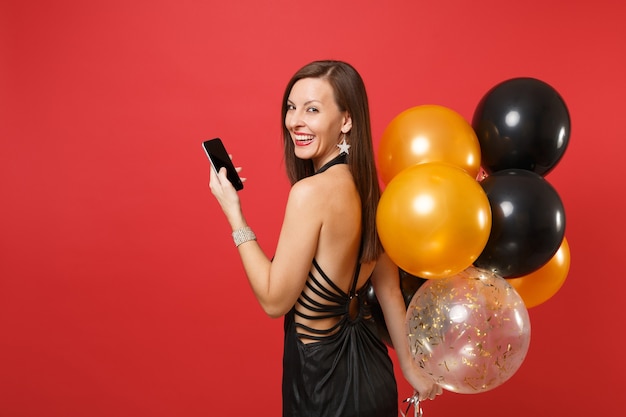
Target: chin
[[302, 153]]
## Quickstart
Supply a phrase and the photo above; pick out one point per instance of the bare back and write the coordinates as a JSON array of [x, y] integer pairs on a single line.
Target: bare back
[[336, 255]]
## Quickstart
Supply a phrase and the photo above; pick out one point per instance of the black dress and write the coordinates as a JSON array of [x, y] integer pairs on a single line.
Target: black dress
[[346, 371]]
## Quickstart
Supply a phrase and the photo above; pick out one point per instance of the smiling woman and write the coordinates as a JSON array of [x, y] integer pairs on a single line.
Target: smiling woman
[[120, 291], [328, 255], [315, 121]]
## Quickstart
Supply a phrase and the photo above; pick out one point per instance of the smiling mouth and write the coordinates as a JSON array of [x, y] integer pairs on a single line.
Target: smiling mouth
[[302, 140]]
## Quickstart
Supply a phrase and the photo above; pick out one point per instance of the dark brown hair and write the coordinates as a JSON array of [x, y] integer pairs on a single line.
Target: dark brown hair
[[350, 96]]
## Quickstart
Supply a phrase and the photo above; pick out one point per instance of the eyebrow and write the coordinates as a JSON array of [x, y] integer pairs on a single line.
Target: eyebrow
[[306, 102]]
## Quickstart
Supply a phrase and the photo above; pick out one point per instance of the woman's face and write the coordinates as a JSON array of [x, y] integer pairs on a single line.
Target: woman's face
[[314, 121]]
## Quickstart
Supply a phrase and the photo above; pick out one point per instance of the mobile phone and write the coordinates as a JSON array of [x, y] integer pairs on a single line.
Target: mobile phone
[[219, 158]]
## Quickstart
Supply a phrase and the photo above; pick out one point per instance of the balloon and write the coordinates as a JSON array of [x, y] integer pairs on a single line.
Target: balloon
[[470, 332], [377, 315], [528, 223], [539, 286], [409, 284], [522, 123], [433, 220], [428, 133], [482, 174]]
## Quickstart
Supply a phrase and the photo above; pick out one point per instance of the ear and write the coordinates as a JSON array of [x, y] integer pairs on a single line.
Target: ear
[[347, 123]]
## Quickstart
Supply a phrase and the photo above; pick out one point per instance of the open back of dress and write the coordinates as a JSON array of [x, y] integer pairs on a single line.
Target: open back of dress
[[343, 370]]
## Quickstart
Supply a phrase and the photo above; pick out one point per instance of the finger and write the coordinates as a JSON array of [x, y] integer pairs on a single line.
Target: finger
[[437, 390], [213, 179], [222, 175], [421, 396], [238, 169], [426, 394]]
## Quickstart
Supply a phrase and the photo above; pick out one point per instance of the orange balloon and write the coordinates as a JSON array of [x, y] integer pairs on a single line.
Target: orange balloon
[[428, 133], [539, 286], [433, 220]]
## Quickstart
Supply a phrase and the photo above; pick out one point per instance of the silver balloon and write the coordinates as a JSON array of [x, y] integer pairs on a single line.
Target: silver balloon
[[470, 332]]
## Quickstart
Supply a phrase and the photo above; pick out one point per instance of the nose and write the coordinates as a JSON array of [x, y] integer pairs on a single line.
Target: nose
[[293, 119]]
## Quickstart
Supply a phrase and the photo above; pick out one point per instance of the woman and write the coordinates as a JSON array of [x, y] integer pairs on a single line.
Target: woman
[[328, 253]]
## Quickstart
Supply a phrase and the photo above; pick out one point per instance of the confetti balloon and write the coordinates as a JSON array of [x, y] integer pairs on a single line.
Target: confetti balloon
[[470, 332]]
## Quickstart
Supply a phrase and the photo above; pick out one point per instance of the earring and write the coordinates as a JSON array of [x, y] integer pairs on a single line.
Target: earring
[[343, 146]]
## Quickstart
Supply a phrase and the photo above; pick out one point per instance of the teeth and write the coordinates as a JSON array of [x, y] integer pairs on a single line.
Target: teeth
[[304, 137]]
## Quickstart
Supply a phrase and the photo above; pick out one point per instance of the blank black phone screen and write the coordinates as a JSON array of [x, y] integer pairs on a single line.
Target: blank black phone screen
[[219, 158]]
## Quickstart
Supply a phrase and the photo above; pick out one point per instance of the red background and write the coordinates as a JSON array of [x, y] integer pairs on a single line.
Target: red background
[[120, 291]]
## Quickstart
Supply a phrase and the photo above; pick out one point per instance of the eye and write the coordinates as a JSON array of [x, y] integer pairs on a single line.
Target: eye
[[312, 109], [290, 107]]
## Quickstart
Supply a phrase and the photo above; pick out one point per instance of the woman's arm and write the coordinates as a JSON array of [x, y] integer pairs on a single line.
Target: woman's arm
[[386, 282], [278, 283]]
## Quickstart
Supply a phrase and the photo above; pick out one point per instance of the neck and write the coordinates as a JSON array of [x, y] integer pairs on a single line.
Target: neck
[[338, 159]]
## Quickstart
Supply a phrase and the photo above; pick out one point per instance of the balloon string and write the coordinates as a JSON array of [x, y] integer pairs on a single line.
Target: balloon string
[[415, 402]]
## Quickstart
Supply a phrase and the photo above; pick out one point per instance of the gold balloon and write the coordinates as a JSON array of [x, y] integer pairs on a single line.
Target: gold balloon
[[539, 286], [433, 220], [428, 133]]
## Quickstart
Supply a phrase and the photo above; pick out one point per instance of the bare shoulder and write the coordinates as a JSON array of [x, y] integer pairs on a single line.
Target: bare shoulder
[[305, 202], [320, 188]]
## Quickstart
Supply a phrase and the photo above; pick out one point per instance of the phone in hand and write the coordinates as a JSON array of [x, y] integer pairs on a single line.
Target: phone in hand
[[219, 158]]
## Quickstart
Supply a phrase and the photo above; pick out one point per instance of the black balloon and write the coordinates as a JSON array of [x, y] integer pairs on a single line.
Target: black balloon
[[377, 315], [409, 284], [528, 223], [522, 123]]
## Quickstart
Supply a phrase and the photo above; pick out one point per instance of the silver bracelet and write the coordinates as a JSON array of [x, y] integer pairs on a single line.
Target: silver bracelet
[[243, 235]]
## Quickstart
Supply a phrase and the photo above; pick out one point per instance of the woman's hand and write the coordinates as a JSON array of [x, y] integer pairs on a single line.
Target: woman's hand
[[422, 382], [227, 197]]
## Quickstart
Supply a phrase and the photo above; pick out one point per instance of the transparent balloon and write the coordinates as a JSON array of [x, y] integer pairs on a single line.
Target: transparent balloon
[[470, 332]]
